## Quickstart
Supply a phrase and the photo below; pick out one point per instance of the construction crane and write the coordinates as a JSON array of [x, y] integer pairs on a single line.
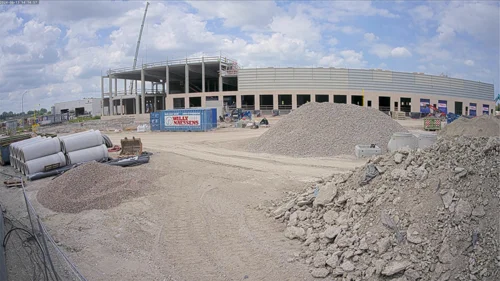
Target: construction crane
[[138, 44]]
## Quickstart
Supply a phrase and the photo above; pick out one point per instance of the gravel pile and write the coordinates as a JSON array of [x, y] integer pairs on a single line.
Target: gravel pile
[[482, 126], [326, 129], [425, 215], [94, 186]]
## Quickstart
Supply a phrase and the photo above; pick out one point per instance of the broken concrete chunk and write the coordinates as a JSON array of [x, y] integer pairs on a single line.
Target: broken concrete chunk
[[398, 158], [413, 235], [320, 259], [447, 198], [333, 261], [383, 245], [326, 194], [363, 245], [320, 272], [459, 170], [330, 217], [293, 232], [395, 267], [445, 255], [479, 211], [347, 266], [332, 231], [283, 208], [463, 210]]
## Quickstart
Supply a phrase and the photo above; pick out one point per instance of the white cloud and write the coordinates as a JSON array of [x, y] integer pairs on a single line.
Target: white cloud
[[346, 58], [477, 19], [9, 21], [333, 41], [399, 52], [381, 50], [300, 27], [249, 15], [370, 37], [469, 62]]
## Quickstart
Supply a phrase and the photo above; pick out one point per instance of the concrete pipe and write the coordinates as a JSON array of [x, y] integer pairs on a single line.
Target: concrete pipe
[[82, 141], [400, 140], [40, 149], [15, 146], [96, 153], [75, 134], [45, 163]]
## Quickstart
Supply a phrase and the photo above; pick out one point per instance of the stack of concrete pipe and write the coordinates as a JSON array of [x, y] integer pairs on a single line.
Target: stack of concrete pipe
[[36, 155], [41, 154], [84, 147]]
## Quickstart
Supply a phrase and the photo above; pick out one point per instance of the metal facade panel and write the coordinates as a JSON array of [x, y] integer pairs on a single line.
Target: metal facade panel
[[370, 80], [382, 76]]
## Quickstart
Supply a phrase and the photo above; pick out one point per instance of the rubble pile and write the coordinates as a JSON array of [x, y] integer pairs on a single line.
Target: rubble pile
[[411, 215], [482, 126], [327, 129]]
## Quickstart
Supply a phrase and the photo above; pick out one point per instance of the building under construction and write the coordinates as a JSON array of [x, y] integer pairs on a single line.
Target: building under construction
[[191, 82]]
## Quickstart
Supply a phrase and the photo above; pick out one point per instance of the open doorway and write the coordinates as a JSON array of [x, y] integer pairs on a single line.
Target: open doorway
[[384, 104]]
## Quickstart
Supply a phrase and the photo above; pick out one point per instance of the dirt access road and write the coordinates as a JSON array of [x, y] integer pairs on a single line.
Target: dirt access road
[[201, 221]]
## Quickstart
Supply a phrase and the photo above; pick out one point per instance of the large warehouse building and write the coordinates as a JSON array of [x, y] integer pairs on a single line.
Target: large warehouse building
[[199, 82]]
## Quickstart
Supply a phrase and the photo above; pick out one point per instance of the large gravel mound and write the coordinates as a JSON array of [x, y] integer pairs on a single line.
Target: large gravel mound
[[94, 186], [483, 126], [327, 129]]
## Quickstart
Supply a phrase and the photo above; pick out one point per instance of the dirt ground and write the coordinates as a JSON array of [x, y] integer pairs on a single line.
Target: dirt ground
[[202, 222]]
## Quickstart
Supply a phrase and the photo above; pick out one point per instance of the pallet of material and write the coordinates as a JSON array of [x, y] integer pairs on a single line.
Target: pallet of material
[[13, 183]]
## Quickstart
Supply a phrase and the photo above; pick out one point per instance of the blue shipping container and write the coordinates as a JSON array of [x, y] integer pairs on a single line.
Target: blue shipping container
[[155, 121], [187, 120]]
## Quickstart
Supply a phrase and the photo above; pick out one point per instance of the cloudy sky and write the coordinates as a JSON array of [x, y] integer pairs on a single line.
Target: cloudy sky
[[57, 50]]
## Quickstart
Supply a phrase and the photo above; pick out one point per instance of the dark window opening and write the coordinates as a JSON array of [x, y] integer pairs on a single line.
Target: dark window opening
[[322, 98], [405, 105], [466, 110], [230, 101], [303, 99], [340, 99], [79, 111], [195, 102], [179, 103], [369, 103], [64, 111], [212, 98], [384, 104], [266, 102], [396, 108], [357, 100], [285, 102], [458, 107], [248, 102]]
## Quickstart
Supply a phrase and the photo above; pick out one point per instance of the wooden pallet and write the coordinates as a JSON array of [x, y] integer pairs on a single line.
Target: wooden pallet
[[14, 183]]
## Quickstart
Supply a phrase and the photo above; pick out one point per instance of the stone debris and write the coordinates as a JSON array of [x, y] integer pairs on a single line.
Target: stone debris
[[481, 126], [95, 185], [327, 129], [400, 225]]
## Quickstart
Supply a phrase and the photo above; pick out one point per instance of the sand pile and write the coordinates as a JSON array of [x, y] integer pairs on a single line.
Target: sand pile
[[95, 186], [482, 126], [425, 215], [326, 129]]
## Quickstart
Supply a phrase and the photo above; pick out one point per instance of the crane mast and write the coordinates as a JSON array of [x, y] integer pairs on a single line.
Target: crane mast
[[138, 44]]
